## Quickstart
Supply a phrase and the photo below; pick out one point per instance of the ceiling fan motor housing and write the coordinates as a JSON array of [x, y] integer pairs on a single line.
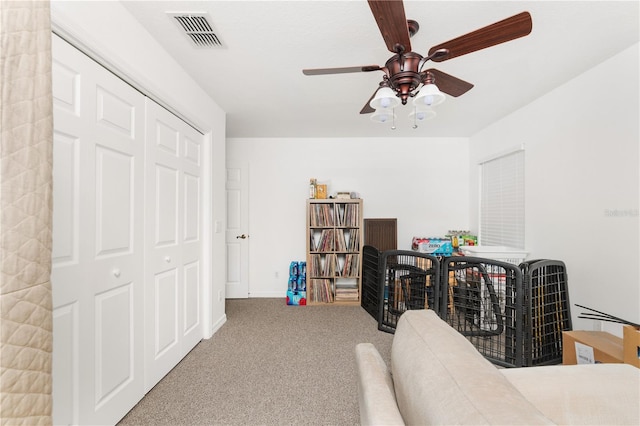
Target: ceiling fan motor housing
[[403, 74]]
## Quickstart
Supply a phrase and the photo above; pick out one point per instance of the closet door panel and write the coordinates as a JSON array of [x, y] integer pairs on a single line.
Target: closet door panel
[[114, 112], [114, 341], [192, 205], [174, 243], [67, 198], [162, 294], [166, 206], [115, 206], [191, 236], [166, 317], [97, 268], [117, 267], [65, 363], [65, 85], [191, 289]]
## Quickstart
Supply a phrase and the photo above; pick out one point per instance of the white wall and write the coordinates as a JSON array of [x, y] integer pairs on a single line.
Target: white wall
[[421, 182], [581, 169], [110, 32]]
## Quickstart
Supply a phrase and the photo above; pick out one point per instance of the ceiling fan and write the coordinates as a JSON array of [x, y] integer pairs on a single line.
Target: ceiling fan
[[404, 76]]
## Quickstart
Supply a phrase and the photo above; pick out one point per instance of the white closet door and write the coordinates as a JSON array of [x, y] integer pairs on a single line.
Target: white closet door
[[173, 278], [97, 274]]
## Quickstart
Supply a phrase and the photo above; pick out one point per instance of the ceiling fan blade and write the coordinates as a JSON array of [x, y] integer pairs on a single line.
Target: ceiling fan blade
[[392, 23], [500, 32], [343, 70], [449, 84], [366, 109]]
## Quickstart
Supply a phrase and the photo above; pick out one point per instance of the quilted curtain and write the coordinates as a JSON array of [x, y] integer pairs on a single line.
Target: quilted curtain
[[26, 129]]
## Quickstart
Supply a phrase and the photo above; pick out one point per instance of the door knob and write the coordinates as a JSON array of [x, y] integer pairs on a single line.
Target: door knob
[[243, 236], [116, 273]]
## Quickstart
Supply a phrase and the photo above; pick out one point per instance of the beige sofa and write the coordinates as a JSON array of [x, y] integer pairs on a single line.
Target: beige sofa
[[438, 377]]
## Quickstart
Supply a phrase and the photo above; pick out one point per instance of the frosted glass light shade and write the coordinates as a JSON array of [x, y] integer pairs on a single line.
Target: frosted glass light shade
[[422, 114], [429, 95], [383, 115], [385, 98]]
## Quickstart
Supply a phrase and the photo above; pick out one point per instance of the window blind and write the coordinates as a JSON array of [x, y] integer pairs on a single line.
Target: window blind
[[502, 201]]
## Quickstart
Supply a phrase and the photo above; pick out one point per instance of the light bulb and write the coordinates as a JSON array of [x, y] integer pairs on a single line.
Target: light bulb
[[382, 115], [421, 114], [385, 98], [429, 95]]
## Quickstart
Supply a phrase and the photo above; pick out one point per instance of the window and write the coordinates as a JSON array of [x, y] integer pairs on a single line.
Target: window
[[502, 201]]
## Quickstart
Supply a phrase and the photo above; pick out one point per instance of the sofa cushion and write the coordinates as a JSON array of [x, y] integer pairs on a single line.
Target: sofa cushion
[[375, 388], [440, 378], [594, 394]]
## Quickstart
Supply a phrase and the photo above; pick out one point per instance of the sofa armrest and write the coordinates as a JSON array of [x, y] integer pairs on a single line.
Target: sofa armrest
[[376, 396], [594, 394]]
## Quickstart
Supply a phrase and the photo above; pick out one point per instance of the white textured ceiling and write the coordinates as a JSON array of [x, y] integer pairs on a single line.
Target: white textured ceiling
[[257, 76]]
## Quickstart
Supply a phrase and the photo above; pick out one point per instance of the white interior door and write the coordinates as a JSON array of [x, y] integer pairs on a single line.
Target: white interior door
[[97, 254], [237, 231], [174, 245]]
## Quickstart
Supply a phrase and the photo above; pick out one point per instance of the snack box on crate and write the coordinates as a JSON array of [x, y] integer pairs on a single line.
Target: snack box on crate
[[501, 253], [435, 246]]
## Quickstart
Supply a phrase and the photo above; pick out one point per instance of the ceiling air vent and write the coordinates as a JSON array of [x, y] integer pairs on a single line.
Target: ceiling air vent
[[198, 28]]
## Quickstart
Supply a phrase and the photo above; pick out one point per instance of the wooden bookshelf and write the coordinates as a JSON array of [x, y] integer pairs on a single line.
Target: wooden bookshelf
[[334, 251]]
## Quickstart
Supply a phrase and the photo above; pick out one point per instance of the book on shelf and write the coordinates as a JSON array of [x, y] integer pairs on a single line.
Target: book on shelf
[[322, 240], [348, 265], [347, 214], [354, 240], [347, 240], [321, 215], [346, 293], [346, 289], [341, 243], [321, 290], [321, 265]]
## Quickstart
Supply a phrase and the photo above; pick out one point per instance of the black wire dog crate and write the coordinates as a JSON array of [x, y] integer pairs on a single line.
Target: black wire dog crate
[[370, 280], [547, 312], [483, 299], [407, 280]]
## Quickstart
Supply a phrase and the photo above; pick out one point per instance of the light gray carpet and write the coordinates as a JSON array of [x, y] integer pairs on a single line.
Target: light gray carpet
[[269, 364]]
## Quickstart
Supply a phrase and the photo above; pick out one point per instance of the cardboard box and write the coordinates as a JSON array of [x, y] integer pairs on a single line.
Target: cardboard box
[[606, 347], [631, 343], [321, 191], [432, 245]]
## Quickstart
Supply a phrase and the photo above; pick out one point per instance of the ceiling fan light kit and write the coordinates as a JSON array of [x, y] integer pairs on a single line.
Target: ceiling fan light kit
[[421, 114], [383, 115], [403, 75], [384, 98], [429, 96]]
